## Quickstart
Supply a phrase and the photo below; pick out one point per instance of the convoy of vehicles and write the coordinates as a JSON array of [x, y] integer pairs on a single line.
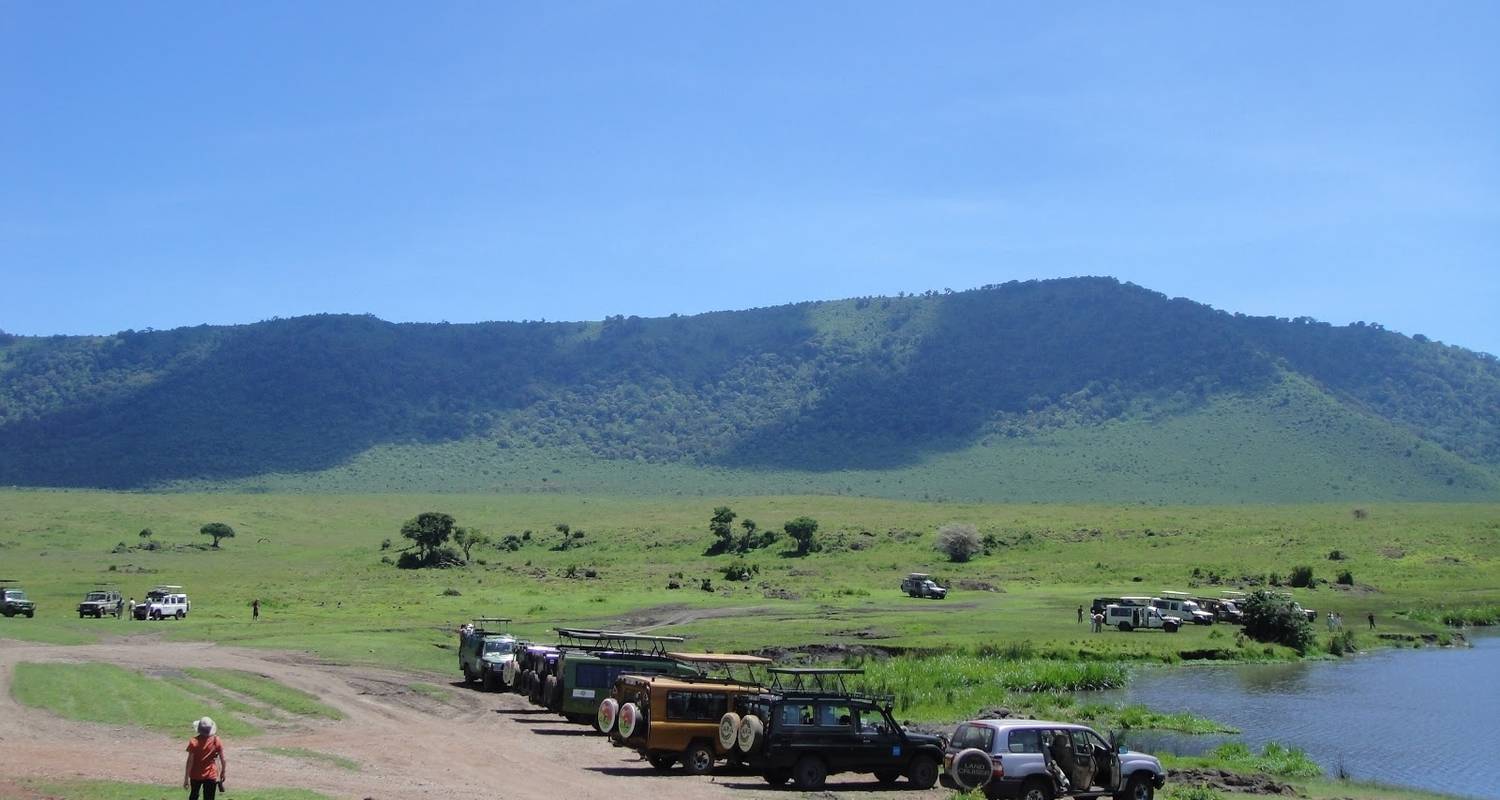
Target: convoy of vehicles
[[591, 660], [919, 584], [101, 601]]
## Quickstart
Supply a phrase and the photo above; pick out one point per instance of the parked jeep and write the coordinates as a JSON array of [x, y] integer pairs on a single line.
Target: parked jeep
[[101, 601], [14, 601], [1182, 606], [585, 672], [534, 662], [920, 585], [483, 651], [815, 728], [671, 719], [164, 602], [1131, 618], [1037, 760]]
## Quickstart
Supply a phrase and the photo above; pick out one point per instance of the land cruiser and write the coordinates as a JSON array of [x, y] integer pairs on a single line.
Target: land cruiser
[[671, 719], [164, 602], [809, 726], [13, 601], [919, 584], [1131, 617], [484, 651], [586, 670], [1036, 760], [533, 664], [102, 600], [1182, 606]]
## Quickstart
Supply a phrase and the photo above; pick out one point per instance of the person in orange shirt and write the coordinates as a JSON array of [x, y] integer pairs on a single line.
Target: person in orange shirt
[[206, 766]]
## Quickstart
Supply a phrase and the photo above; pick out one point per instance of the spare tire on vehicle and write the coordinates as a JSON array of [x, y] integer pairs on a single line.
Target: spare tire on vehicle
[[609, 708], [729, 730], [629, 719], [751, 733], [972, 769]]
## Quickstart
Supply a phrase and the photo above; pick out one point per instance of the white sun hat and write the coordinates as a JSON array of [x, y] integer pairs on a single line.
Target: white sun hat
[[205, 727]]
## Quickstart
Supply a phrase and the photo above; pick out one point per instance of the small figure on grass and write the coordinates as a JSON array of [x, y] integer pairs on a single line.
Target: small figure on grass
[[206, 768]]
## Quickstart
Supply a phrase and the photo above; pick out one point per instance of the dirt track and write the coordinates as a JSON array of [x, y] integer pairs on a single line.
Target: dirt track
[[409, 745]]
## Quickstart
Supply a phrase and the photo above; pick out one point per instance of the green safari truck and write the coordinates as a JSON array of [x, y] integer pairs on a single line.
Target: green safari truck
[[587, 669]]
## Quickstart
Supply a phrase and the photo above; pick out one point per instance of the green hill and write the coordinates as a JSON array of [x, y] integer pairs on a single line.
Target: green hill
[[1077, 389]]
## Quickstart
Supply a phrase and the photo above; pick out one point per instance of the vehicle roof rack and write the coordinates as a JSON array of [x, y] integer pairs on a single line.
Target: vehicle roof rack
[[719, 658], [165, 586], [812, 679], [594, 639]]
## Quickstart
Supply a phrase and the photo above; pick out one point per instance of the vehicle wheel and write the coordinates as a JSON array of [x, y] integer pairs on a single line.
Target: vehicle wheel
[[508, 674], [729, 730], [30, 613], [1139, 788], [661, 763], [549, 691], [489, 681], [604, 720], [1037, 789], [181, 614], [809, 773], [468, 674], [80, 615], [749, 736], [698, 759], [1169, 628], [777, 777], [887, 776], [922, 772], [1124, 627]]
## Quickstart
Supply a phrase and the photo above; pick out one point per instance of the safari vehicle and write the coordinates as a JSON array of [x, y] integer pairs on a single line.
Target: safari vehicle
[[14, 601], [1037, 760], [919, 584], [670, 719], [587, 668], [809, 726], [1223, 609], [484, 648], [534, 662], [1131, 617], [102, 600], [164, 602], [1182, 606]]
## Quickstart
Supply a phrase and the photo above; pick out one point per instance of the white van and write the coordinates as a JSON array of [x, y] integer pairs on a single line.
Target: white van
[[1180, 605], [1132, 617]]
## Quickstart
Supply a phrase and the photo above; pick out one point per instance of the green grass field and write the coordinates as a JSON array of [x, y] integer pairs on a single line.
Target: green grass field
[[109, 694], [265, 690]]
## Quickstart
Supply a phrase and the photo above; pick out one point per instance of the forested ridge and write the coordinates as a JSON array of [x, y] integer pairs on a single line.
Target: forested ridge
[[869, 383]]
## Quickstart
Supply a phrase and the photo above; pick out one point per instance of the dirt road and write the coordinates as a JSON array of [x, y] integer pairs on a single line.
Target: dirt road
[[408, 744]]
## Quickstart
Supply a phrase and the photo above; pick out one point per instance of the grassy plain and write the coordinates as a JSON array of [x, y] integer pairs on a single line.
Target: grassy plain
[[109, 694], [112, 790]]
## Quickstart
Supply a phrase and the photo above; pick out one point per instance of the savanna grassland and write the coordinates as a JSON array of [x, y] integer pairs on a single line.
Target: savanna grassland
[[315, 563]]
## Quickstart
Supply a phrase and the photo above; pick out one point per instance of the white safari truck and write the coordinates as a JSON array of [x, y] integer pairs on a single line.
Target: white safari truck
[[1131, 617]]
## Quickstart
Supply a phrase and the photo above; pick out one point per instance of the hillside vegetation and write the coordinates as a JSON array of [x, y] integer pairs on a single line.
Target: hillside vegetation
[[1072, 390]]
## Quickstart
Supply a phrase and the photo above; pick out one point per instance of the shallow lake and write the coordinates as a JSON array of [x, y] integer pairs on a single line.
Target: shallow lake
[[1427, 718]]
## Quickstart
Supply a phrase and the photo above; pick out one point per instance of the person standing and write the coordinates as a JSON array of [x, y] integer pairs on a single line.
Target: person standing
[[206, 767], [1372, 620], [132, 608], [1080, 614], [255, 610], [1098, 621]]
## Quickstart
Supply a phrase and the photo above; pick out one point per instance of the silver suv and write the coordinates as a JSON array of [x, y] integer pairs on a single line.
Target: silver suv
[[1038, 760]]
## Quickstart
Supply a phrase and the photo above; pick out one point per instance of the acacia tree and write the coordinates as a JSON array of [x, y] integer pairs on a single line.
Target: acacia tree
[[721, 525], [428, 531], [803, 531], [959, 541], [218, 530], [469, 538]]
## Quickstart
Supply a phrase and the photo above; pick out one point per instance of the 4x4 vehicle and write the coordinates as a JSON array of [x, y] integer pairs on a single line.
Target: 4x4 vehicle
[[1182, 606], [14, 601], [919, 584], [164, 602], [670, 719], [483, 652], [1131, 617], [1224, 610], [814, 727], [534, 662], [586, 671], [1038, 760], [102, 600]]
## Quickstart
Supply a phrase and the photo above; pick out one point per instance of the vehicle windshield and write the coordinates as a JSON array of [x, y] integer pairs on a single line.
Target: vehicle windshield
[[96, 596], [498, 646], [14, 594]]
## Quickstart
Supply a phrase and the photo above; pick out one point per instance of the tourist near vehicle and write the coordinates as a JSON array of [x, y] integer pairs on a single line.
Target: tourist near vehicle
[[673, 719], [1040, 760], [809, 726]]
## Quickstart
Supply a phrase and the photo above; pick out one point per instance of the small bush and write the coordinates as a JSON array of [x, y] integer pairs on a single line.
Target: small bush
[[1346, 578], [409, 560], [707, 585], [1275, 618], [740, 571], [386, 560], [385, 544], [1302, 577], [451, 592], [959, 541]]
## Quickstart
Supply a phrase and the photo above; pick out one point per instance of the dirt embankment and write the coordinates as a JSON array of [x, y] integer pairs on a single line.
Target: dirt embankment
[[408, 744]]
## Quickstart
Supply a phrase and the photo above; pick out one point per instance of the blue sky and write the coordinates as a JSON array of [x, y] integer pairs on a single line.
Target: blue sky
[[173, 164]]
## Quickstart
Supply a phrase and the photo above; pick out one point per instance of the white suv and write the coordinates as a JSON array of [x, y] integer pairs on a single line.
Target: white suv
[[164, 602]]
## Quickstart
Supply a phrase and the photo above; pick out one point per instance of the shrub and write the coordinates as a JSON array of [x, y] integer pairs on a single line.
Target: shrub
[[409, 560], [959, 541], [1346, 578], [1302, 577], [385, 544], [740, 571], [1271, 617], [452, 592], [803, 531], [706, 585], [1336, 555]]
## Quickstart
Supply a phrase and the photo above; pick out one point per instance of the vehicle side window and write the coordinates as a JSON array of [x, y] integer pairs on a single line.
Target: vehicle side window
[[1025, 741], [835, 715], [980, 736], [1081, 744], [1098, 741], [796, 714], [697, 706]]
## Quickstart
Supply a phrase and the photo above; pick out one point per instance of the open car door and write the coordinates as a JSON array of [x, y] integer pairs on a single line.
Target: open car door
[[1081, 772]]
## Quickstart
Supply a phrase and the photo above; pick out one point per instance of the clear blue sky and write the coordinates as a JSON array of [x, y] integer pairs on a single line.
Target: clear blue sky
[[165, 164]]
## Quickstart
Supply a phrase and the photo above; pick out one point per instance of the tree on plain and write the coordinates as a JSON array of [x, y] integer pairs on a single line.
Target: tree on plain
[[469, 538], [218, 530], [721, 525], [959, 541], [429, 531], [803, 531]]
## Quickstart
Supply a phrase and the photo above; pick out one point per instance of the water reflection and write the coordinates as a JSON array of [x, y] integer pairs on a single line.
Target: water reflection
[[1420, 718]]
